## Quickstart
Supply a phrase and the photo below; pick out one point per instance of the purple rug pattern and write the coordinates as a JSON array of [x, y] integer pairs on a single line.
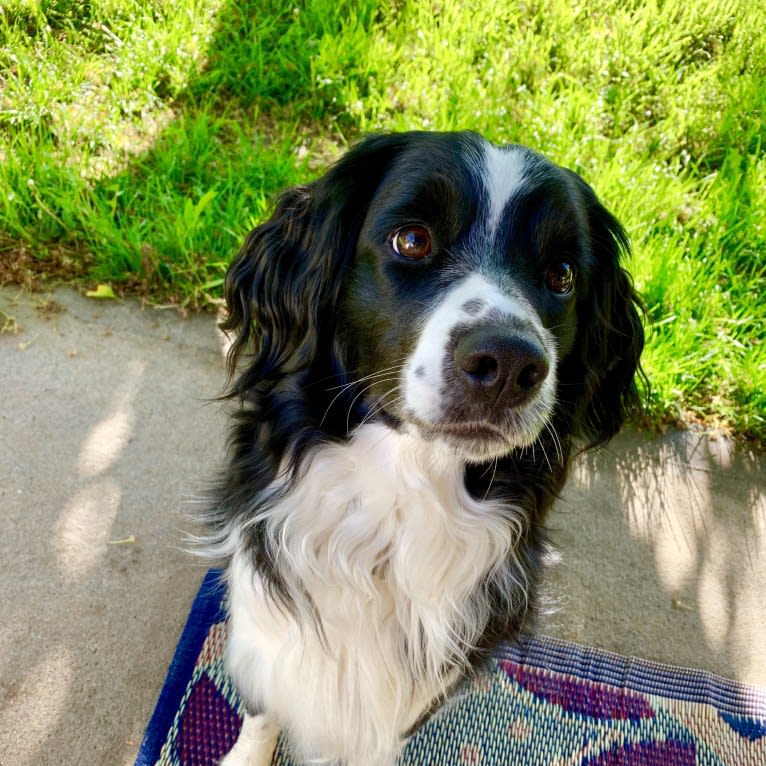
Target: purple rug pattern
[[540, 702]]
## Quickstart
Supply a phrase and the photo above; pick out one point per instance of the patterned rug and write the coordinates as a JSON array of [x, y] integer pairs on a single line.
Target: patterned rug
[[541, 702]]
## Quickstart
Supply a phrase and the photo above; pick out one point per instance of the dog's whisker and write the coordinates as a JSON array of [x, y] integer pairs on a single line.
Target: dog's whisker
[[361, 393], [556, 441], [378, 373], [492, 478], [381, 403], [377, 377], [545, 455], [486, 470]]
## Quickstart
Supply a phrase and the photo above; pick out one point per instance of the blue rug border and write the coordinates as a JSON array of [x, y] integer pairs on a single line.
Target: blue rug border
[[207, 609]]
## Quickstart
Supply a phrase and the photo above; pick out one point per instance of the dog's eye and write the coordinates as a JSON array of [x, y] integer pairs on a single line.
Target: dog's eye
[[560, 277], [412, 242]]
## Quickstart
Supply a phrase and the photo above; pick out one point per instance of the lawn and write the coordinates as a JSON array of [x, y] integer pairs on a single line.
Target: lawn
[[141, 139]]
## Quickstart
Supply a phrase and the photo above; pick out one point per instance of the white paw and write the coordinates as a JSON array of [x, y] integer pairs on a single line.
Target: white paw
[[256, 743]]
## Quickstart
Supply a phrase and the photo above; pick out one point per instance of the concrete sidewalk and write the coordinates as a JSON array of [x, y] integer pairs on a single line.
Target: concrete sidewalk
[[105, 435]]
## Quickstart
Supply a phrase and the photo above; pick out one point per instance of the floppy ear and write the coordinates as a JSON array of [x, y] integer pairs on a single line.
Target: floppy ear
[[284, 285], [611, 330]]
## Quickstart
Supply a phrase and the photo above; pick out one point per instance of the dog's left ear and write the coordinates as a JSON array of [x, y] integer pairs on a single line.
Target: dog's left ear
[[611, 330]]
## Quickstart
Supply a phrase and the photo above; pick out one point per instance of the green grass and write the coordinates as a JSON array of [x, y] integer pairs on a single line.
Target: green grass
[[143, 138]]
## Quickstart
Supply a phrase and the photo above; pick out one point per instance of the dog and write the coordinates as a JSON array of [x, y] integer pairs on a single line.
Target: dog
[[420, 339]]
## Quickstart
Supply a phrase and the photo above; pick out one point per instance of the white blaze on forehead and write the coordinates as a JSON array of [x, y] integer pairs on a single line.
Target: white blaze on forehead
[[504, 174], [466, 302]]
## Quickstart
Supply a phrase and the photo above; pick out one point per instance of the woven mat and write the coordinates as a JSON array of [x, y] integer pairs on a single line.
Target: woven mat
[[541, 702]]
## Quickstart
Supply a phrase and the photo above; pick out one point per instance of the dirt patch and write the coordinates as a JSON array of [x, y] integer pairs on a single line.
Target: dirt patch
[[35, 271]]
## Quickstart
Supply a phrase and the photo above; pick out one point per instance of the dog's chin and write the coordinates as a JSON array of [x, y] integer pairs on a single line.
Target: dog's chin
[[476, 441]]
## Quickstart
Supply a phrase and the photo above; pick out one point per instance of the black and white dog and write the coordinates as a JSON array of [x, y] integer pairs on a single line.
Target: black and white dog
[[419, 339]]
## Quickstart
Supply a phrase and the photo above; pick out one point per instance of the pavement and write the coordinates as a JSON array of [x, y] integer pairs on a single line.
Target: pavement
[[107, 435]]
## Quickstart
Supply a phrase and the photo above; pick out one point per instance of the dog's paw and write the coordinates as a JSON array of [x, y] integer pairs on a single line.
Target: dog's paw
[[256, 743]]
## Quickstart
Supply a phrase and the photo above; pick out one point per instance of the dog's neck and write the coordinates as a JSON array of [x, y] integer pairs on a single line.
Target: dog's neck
[[383, 528], [373, 490]]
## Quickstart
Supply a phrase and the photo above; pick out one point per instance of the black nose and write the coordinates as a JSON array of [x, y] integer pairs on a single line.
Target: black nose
[[499, 365]]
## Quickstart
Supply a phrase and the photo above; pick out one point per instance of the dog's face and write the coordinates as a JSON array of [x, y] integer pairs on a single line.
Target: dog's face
[[463, 293], [468, 293]]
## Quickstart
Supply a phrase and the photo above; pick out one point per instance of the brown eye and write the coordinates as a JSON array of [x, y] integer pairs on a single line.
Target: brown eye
[[560, 277], [412, 242]]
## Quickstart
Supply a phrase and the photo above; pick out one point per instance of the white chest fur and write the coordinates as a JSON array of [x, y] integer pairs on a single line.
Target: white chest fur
[[393, 553]]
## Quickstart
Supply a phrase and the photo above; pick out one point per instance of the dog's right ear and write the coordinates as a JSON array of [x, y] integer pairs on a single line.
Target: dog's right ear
[[283, 287], [259, 306]]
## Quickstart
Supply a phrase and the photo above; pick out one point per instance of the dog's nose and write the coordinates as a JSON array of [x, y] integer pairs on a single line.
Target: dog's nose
[[500, 366]]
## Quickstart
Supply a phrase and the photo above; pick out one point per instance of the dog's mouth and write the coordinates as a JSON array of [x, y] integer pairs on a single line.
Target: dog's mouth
[[468, 432], [475, 440]]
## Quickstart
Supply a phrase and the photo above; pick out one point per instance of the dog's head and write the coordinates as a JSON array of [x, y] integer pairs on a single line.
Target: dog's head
[[469, 293]]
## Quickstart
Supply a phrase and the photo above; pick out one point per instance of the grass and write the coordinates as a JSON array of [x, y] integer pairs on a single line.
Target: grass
[[141, 139]]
